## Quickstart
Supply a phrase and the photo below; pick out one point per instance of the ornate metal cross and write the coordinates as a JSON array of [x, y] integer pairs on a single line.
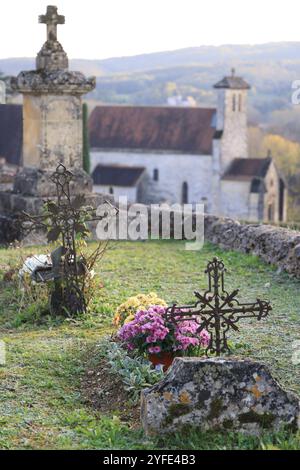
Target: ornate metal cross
[[216, 310], [52, 19], [65, 219]]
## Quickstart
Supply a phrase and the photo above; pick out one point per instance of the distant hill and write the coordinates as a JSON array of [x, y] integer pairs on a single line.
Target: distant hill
[[228, 55], [151, 78]]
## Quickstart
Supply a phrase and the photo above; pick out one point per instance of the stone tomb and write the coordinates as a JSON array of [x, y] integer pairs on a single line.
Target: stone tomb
[[218, 394]]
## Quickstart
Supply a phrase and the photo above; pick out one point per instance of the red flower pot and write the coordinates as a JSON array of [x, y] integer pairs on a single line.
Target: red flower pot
[[164, 358]]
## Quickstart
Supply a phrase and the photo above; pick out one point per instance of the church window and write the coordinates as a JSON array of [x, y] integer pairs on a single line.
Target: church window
[[185, 193], [155, 174], [234, 102], [240, 102]]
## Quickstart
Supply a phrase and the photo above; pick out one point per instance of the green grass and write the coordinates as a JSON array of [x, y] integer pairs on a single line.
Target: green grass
[[40, 402]]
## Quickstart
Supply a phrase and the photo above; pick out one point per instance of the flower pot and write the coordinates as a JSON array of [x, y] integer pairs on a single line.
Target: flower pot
[[165, 359]]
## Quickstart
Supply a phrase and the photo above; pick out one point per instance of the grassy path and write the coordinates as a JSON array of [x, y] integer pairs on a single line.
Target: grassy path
[[40, 401]]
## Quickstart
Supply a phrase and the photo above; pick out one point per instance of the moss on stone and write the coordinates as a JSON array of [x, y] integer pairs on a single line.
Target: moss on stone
[[203, 396], [227, 424], [265, 420], [215, 408], [176, 410]]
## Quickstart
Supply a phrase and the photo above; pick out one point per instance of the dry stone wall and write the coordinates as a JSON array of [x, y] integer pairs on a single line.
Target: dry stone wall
[[275, 245]]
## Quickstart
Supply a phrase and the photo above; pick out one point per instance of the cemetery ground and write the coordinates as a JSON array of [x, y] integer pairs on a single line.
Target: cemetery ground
[[47, 388]]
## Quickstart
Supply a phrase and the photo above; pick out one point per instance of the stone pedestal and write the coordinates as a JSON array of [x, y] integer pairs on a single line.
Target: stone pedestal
[[33, 186], [52, 117], [35, 182], [221, 395]]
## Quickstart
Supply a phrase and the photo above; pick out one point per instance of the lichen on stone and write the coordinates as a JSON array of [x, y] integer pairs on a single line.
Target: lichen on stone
[[236, 394]]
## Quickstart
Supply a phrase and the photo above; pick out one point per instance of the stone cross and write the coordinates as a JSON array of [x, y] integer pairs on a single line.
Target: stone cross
[[51, 19], [216, 310]]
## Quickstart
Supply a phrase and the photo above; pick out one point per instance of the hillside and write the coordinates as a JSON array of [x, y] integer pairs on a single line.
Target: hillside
[[229, 55], [151, 78]]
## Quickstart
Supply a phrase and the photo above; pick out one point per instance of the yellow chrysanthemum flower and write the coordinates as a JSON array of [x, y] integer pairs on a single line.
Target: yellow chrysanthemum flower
[[126, 311]]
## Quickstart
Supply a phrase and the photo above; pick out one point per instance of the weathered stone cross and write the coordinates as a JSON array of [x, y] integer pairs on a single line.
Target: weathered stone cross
[[52, 19], [216, 310]]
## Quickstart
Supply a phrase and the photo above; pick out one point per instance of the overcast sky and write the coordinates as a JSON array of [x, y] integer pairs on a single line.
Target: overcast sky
[[97, 29]]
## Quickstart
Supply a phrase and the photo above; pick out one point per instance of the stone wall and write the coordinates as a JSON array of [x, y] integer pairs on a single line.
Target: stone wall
[[9, 230], [275, 245], [174, 169], [129, 191], [235, 200]]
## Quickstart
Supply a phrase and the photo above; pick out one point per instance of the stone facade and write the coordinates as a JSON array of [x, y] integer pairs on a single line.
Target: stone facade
[[232, 121], [264, 204], [218, 394], [169, 186], [131, 193], [270, 210]]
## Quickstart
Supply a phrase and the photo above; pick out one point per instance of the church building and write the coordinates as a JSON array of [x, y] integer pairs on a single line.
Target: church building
[[187, 155], [174, 155]]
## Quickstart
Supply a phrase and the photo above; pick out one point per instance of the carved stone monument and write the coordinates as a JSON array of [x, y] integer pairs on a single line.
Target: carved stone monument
[[52, 124]]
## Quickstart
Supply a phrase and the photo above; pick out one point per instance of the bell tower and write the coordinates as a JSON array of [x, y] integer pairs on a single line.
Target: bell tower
[[232, 118]]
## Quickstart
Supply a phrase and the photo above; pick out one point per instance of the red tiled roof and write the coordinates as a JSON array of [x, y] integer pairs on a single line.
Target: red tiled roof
[[153, 128]]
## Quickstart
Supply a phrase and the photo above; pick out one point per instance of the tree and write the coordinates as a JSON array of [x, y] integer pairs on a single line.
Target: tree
[[85, 140]]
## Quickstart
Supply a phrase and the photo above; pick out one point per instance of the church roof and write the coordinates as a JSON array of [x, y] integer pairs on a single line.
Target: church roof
[[233, 82], [117, 175], [185, 130], [11, 133], [245, 169]]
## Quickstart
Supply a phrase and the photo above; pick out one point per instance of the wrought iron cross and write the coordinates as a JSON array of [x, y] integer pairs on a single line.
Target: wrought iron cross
[[216, 310], [65, 219], [52, 19]]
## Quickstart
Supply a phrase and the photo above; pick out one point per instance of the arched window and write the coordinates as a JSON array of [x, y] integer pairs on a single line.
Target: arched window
[[185, 193], [234, 102], [240, 102], [111, 190], [155, 174]]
